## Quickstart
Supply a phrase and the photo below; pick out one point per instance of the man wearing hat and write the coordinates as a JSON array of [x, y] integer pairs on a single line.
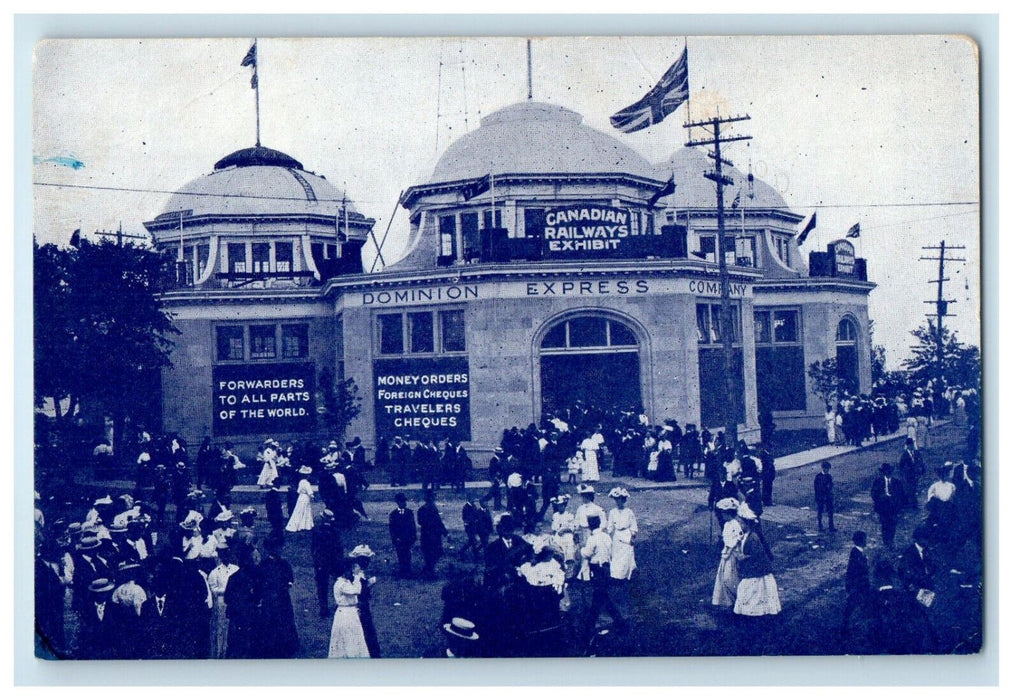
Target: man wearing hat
[[887, 496], [461, 638], [125, 611], [585, 510], [596, 555], [504, 553], [327, 550], [274, 507], [824, 495], [911, 467], [496, 469], [432, 533], [403, 534], [96, 632], [362, 556]]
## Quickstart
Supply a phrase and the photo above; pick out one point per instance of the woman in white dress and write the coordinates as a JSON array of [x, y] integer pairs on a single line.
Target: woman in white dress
[[622, 527], [724, 593], [219, 623], [587, 509], [757, 592], [347, 638], [590, 464], [268, 456], [301, 518], [563, 527], [923, 439], [830, 425]]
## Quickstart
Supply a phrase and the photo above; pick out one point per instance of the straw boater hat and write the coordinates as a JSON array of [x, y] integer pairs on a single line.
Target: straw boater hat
[[619, 492], [728, 504], [128, 566], [88, 542], [362, 550], [459, 627], [744, 511], [104, 501], [101, 585], [305, 469]]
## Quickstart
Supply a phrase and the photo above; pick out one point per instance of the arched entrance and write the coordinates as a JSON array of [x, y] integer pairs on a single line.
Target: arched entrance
[[592, 359], [847, 366]]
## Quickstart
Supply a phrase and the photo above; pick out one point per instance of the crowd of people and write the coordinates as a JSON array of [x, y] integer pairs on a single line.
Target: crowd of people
[[134, 582]]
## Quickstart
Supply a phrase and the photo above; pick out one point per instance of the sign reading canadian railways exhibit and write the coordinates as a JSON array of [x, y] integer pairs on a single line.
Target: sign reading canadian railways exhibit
[[585, 231], [263, 398], [424, 399], [844, 256]]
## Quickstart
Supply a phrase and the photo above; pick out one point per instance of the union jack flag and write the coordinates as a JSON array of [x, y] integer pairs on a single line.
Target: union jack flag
[[670, 92]]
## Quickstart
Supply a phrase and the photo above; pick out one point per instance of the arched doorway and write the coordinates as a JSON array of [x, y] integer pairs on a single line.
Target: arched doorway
[[847, 361], [592, 359]]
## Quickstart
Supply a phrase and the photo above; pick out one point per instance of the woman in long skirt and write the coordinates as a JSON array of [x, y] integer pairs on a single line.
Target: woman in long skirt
[[347, 638], [268, 456], [622, 527], [727, 579], [301, 518], [590, 465], [217, 581], [830, 425], [757, 592]]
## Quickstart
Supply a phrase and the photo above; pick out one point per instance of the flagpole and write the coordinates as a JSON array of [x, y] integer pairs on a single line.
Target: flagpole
[[529, 70], [258, 125], [180, 250], [688, 105]]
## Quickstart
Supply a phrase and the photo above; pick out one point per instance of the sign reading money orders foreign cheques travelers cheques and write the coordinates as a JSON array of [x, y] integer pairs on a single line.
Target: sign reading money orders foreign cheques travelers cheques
[[263, 398], [424, 399]]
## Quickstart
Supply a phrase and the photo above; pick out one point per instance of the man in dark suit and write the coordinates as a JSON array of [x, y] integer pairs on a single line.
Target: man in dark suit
[[327, 549], [768, 474], [403, 534], [824, 495], [858, 580], [887, 497], [915, 569], [901, 624], [504, 553], [433, 530], [911, 468]]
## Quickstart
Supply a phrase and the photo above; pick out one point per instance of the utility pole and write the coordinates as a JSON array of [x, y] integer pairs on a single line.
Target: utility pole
[[941, 308], [725, 313]]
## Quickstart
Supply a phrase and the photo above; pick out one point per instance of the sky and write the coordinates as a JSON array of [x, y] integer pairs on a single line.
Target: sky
[[881, 130]]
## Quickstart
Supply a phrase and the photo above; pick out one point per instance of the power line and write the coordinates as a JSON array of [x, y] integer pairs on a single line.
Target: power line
[[146, 190]]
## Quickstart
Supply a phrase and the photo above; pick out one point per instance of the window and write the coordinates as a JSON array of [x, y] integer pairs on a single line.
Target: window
[[284, 256], [420, 331], [391, 334], [747, 251], [592, 332], [263, 342], [846, 355], [203, 258], [846, 332], [260, 257], [423, 329], [707, 245], [294, 343], [236, 258], [229, 343], [453, 330], [779, 360], [487, 218], [447, 231], [471, 235], [710, 326]]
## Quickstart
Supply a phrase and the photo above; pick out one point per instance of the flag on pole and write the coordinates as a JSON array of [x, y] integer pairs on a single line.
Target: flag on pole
[[475, 187], [670, 92], [251, 59], [667, 189], [736, 201], [808, 227], [855, 231]]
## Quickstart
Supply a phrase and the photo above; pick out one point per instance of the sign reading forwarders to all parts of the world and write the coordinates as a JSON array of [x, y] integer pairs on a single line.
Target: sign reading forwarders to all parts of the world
[[263, 399], [424, 399], [585, 232]]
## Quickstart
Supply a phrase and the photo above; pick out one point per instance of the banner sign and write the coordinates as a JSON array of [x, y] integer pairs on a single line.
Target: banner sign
[[264, 399], [843, 256], [424, 399], [587, 231]]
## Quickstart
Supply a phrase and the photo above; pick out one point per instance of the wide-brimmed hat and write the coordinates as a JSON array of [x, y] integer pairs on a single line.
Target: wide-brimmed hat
[[619, 492], [332, 444], [101, 585], [362, 550], [304, 469], [104, 501], [224, 516], [561, 499], [514, 480], [585, 489], [728, 504], [88, 542], [744, 511], [459, 627], [193, 520], [128, 566]]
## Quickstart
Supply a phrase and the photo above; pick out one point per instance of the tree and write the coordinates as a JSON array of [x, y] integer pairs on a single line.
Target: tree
[[341, 402], [101, 333], [826, 383], [878, 373], [961, 363]]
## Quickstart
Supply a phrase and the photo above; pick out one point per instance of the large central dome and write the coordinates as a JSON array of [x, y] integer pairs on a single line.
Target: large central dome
[[537, 138], [257, 181]]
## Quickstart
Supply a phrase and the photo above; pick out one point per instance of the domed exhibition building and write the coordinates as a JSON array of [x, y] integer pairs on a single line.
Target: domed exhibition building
[[544, 266]]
